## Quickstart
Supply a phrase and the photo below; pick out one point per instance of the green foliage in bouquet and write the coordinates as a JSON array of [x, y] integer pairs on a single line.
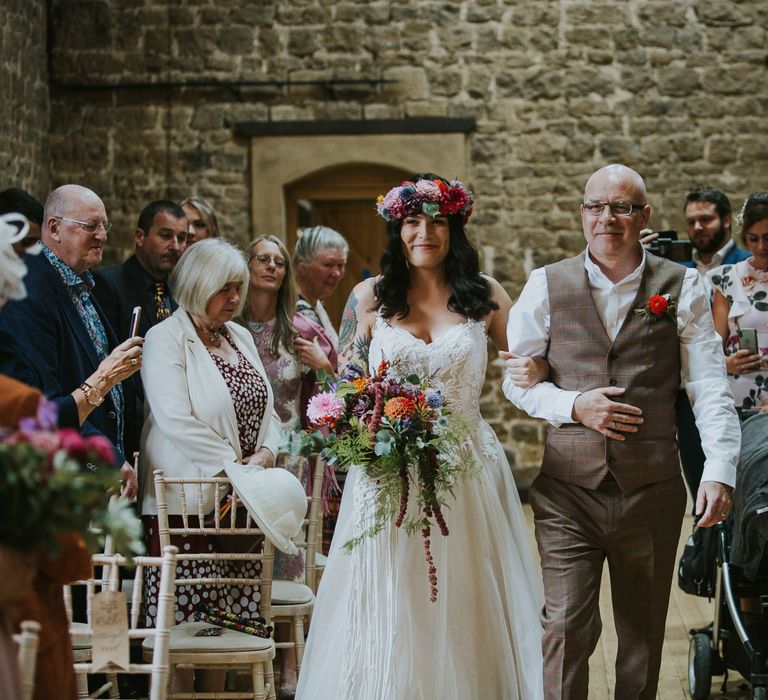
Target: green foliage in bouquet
[[56, 481], [401, 434]]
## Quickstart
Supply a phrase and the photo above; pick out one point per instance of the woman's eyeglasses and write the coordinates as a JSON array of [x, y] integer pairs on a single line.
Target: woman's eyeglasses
[[267, 259]]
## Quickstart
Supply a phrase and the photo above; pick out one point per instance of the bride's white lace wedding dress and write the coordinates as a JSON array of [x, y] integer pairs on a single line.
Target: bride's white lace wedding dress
[[375, 635]]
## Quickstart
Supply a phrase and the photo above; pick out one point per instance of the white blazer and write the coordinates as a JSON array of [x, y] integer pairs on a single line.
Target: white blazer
[[191, 428]]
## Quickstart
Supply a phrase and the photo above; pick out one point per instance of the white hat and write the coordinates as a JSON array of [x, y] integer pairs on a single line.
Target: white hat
[[274, 497]]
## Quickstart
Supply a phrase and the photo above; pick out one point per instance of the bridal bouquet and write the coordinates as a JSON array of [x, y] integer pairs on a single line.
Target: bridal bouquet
[[56, 481], [402, 435]]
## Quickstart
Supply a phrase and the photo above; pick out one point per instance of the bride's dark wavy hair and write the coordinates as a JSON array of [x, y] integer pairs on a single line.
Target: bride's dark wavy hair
[[470, 291]]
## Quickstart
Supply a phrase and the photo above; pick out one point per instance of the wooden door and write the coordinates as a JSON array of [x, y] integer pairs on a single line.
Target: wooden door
[[344, 198]]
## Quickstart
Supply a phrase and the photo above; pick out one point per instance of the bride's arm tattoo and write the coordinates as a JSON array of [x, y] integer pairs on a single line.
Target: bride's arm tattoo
[[352, 346]]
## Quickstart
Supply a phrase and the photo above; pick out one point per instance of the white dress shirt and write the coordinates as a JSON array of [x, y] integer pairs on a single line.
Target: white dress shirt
[[701, 357]]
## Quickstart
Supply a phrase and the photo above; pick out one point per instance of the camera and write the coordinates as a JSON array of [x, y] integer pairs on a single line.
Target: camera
[[667, 246]]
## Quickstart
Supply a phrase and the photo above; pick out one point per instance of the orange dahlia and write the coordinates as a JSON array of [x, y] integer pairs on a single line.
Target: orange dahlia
[[399, 407], [359, 383]]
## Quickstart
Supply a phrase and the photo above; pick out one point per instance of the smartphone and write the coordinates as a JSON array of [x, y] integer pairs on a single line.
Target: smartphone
[[135, 318], [669, 233], [748, 340]]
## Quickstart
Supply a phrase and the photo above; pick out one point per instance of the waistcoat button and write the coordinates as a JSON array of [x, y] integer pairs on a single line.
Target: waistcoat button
[[612, 381], [611, 460]]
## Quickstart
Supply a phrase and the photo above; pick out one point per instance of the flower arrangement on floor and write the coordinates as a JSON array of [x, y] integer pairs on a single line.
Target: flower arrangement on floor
[[55, 481], [401, 434]]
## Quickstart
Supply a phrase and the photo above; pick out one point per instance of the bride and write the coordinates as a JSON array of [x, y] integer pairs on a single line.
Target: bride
[[375, 635]]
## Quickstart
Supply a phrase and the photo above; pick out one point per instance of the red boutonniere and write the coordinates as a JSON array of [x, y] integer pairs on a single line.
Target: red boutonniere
[[658, 305]]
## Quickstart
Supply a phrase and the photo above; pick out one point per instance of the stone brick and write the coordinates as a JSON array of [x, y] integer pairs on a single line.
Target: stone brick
[[236, 40], [618, 150], [723, 12], [83, 24], [678, 80], [662, 13], [598, 14], [410, 83]]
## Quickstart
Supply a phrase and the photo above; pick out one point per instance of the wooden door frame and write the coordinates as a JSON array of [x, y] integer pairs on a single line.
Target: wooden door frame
[[339, 187], [279, 161]]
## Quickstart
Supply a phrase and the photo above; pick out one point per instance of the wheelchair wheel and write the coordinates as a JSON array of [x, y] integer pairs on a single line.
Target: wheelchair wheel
[[699, 667]]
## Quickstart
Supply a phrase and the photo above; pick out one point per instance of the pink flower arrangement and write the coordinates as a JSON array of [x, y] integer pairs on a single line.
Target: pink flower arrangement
[[56, 481], [430, 197], [325, 408]]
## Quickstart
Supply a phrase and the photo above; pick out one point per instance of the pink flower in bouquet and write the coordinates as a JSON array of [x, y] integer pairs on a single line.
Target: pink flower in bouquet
[[75, 445], [325, 407], [44, 440], [102, 447]]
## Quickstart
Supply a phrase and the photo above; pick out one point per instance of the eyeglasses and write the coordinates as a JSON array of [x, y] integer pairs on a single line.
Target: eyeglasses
[[89, 226], [617, 208], [267, 259]]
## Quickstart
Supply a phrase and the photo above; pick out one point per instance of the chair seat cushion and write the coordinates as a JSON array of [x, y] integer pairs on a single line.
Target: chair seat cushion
[[81, 635], [320, 560], [290, 593], [183, 639]]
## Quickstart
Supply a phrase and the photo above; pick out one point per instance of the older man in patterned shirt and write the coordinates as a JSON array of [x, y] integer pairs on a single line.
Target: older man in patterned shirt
[[58, 338]]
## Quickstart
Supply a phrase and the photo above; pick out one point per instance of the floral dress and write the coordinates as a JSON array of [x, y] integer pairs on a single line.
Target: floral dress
[[746, 289], [284, 373]]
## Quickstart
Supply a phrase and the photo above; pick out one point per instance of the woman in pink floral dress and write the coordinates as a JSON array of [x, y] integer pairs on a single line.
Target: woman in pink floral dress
[[270, 314]]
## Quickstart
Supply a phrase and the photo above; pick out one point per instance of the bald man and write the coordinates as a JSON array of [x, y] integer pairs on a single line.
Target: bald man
[[622, 332], [58, 339]]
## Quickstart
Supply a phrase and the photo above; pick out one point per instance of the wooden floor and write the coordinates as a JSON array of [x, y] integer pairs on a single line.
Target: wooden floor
[[685, 612]]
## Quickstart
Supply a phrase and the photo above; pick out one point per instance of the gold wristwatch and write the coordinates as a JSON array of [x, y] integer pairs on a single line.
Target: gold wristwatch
[[92, 395]]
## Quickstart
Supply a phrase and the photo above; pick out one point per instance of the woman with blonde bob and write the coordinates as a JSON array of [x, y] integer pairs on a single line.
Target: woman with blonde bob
[[210, 403]]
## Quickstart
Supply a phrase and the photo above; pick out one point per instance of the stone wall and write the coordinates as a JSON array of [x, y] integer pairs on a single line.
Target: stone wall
[[24, 104], [676, 89]]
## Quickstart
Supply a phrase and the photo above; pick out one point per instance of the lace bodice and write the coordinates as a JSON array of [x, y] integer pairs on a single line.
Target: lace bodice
[[457, 360]]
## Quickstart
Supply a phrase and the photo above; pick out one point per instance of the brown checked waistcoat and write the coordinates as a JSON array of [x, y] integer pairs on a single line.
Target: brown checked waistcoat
[[644, 359]]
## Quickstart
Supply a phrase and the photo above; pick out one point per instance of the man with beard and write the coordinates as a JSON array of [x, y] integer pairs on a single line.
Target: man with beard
[[142, 280], [708, 219]]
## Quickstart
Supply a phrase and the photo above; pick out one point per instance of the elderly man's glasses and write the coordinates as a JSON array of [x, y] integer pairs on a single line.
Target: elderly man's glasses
[[617, 208], [89, 226], [267, 259]]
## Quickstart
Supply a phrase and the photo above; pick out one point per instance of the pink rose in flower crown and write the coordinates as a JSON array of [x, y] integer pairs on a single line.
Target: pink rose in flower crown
[[393, 204], [324, 408], [428, 191]]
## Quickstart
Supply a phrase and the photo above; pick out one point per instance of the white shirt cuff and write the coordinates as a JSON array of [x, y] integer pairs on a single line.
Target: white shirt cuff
[[720, 471]]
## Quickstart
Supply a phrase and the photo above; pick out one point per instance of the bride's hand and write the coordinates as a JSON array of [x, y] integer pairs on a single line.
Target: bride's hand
[[525, 371]]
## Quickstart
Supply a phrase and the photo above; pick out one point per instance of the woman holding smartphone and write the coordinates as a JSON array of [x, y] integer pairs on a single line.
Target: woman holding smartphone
[[740, 309]]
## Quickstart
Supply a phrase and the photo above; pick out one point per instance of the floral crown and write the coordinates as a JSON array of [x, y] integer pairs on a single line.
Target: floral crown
[[430, 197]]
